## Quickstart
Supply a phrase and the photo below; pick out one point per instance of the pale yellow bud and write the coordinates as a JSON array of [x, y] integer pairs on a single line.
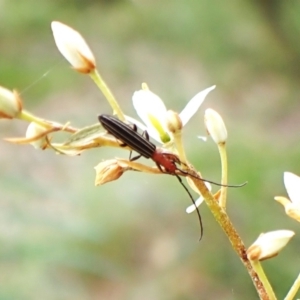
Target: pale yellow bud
[[35, 130], [73, 47], [107, 171], [215, 126], [269, 244], [173, 121], [10, 103]]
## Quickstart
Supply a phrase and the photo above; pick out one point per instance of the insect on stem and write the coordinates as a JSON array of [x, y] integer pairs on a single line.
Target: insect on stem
[[165, 161]]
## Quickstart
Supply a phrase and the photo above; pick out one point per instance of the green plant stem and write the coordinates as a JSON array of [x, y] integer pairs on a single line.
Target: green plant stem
[[294, 289], [108, 94], [261, 274], [29, 117], [254, 269], [233, 236], [224, 181]]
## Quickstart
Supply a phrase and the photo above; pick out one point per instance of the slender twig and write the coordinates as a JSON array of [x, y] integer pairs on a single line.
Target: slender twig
[[233, 236], [294, 289], [108, 94], [224, 181]]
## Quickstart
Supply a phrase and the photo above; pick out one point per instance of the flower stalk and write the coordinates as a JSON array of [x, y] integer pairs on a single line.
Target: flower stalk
[[179, 146], [174, 125], [216, 128], [224, 179], [108, 94], [29, 117], [263, 278], [294, 289], [233, 236]]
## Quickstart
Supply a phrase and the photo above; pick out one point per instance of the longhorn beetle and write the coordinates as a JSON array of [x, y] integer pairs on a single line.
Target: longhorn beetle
[[165, 161]]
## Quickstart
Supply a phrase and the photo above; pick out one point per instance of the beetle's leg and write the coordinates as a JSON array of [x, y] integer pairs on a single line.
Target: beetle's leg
[[135, 157]]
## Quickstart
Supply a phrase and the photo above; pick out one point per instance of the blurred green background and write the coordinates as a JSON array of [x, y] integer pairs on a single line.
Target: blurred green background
[[63, 238]]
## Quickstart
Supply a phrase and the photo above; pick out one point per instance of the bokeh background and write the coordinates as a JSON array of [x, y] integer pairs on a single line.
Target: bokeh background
[[63, 238]]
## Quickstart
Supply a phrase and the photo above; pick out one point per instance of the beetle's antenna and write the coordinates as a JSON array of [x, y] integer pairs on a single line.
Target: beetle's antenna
[[198, 212], [212, 182]]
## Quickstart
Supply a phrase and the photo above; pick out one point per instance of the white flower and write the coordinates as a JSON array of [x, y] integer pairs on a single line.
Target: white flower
[[269, 244], [10, 103], [215, 126], [152, 110], [292, 205], [73, 47]]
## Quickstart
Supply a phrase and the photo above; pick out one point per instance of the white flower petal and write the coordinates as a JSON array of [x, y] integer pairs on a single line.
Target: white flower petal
[[146, 102], [148, 106], [143, 128], [136, 122], [292, 185], [193, 105], [192, 207]]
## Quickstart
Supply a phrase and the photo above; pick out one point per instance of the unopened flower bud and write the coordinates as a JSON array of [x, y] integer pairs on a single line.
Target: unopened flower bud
[[10, 103], [215, 126], [269, 244], [35, 130], [107, 171], [173, 121], [73, 47]]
